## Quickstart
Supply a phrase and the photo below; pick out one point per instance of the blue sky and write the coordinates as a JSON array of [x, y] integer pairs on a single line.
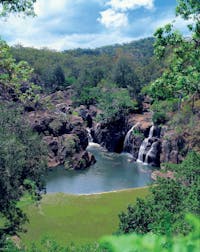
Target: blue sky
[[68, 24]]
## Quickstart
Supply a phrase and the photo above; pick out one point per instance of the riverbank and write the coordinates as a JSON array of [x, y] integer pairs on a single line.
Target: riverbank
[[77, 218]]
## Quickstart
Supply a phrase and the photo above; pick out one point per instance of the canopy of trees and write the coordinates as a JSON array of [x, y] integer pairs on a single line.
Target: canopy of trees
[[17, 6], [181, 78], [15, 78], [22, 166], [131, 65]]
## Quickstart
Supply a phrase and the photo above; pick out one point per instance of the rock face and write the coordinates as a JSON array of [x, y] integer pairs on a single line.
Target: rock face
[[66, 131], [111, 134], [173, 146], [65, 135]]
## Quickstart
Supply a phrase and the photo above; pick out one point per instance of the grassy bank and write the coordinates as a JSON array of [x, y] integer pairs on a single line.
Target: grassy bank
[[78, 219]]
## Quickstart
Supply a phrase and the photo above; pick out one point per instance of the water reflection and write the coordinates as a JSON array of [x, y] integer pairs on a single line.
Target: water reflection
[[111, 172]]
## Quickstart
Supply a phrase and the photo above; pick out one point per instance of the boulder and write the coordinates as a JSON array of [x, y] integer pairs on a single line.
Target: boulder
[[86, 159]]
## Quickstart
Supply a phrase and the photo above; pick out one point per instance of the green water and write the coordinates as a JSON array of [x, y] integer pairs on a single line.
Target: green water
[[111, 172]]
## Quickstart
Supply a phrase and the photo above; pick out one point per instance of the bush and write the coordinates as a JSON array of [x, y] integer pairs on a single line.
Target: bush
[[169, 105], [159, 118], [155, 243]]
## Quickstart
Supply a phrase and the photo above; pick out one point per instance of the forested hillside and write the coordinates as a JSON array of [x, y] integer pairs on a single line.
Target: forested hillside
[[130, 65]]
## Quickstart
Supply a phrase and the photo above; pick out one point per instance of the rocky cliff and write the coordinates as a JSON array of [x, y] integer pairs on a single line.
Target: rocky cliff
[[64, 132]]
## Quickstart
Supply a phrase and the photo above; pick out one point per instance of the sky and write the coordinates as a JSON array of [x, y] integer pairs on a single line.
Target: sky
[[69, 24]]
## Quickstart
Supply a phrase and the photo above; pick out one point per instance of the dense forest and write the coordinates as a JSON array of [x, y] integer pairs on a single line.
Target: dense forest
[[141, 97], [130, 66]]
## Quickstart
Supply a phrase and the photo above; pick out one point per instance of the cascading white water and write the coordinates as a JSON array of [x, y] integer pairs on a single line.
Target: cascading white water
[[142, 149], [150, 153], [128, 134], [90, 138], [151, 132], [146, 143]]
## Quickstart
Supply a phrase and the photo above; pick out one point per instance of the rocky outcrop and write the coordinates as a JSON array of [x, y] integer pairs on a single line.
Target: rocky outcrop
[[65, 134], [173, 146], [110, 134]]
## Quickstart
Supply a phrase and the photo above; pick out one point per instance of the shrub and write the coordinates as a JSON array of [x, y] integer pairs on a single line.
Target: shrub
[[159, 118], [155, 243]]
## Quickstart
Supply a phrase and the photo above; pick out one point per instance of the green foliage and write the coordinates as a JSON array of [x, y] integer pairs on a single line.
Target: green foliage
[[169, 105], [47, 244], [22, 166], [170, 199], [17, 6], [15, 78], [138, 133], [58, 78], [124, 243], [113, 101], [86, 68], [183, 117], [181, 78], [155, 243], [86, 96], [188, 173], [109, 98], [159, 118], [124, 75]]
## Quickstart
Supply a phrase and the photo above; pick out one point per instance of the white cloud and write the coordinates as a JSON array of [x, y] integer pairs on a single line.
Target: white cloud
[[124, 5], [116, 15], [68, 24], [44, 8], [112, 19]]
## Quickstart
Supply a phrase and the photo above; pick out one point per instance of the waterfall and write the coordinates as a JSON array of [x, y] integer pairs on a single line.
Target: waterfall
[[90, 138], [127, 137], [151, 132], [151, 154], [149, 149], [143, 147]]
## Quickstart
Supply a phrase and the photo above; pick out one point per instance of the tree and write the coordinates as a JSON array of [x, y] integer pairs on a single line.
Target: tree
[[125, 77], [17, 6], [114, 101], [22, 168], [58, 80], [15, 78], [181, 78], [164, 209], [22, 154]]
